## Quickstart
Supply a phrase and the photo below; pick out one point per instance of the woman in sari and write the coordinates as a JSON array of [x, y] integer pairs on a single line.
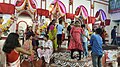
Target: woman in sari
[[12, 49], [53, 34]]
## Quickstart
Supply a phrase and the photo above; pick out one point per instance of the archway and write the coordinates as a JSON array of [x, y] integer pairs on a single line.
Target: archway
[[25, 19], [19, 27]]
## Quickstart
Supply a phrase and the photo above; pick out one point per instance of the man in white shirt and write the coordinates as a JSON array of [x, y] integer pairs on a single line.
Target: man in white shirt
[[46, 49]]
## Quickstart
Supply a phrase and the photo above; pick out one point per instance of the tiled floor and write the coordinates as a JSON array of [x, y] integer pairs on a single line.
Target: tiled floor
[[63, 49]]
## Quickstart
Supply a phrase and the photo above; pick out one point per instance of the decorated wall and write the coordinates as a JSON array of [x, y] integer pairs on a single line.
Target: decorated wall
[[36, 4]]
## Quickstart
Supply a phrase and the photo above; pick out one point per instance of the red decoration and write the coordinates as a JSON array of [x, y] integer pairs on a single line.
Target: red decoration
[[107, 22], [19, 2], [43, 12], [7, 8], [91, 20], [77, 11], [32, 4], [97, 14], [102, 24], [85, 21], [70, 16]]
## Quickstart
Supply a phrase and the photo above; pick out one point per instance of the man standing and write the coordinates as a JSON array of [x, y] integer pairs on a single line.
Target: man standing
[[113, 36], [97, 51], [85, 40], [59, 33]]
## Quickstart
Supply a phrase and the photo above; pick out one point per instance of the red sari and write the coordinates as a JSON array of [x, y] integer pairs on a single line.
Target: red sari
[[75, 40], [13, 59]]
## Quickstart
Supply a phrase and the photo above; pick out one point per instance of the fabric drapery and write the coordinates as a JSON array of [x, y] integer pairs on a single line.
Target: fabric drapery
[[7, 8]]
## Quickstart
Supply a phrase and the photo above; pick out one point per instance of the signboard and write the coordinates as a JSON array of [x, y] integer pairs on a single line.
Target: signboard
[[114, 6]]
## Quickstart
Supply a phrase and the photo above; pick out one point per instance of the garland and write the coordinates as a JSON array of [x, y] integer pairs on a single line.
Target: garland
[[4, 27]]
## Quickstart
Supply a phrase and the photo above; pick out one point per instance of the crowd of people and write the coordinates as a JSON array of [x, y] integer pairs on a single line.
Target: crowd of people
[[78, 40]]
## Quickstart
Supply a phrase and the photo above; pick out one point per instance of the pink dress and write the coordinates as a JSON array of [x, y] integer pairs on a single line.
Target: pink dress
[[75, 40], [27, 48]]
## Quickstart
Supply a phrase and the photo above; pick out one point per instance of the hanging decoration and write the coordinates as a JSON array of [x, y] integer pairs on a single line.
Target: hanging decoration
[[91, 20], [19, 3], [7, 8], [43, 12], [107, 22], [28, 5], [32, 4], [100, 15], [70, 16], [58, 10], [81, 11], [4, 27], [41, 27]]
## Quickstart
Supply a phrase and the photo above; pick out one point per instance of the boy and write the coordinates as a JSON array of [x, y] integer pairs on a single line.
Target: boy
[[97, 51]]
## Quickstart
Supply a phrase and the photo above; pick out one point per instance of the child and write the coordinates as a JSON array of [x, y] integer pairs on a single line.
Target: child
[[28, 46], [12, 49], [97, 51], [46, 49]]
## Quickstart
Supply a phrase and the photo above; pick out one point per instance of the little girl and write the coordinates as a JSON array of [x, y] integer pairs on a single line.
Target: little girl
[[28, 46]]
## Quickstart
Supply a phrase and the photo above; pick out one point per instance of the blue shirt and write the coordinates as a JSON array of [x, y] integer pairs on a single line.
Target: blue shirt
[[96, 43], [59, 29]]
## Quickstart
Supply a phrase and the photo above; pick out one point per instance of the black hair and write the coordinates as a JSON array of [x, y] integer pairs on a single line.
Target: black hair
[[28, 28], [72, 22], [83, 25], [77, 22], [115, 26], [98, 31], [46, 36], [93, 30], [53, 20], [1, 17], [60, 21], [48, 27], [29, 35], [11, 42]]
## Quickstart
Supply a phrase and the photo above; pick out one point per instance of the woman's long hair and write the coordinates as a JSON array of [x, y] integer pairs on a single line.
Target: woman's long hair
[[48, 27], [11, 42]]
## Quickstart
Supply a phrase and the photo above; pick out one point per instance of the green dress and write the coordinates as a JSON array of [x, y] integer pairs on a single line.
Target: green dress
[[53, 36]]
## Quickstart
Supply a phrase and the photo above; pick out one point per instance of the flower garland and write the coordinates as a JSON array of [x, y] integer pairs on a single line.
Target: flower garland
[[4, 27]]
